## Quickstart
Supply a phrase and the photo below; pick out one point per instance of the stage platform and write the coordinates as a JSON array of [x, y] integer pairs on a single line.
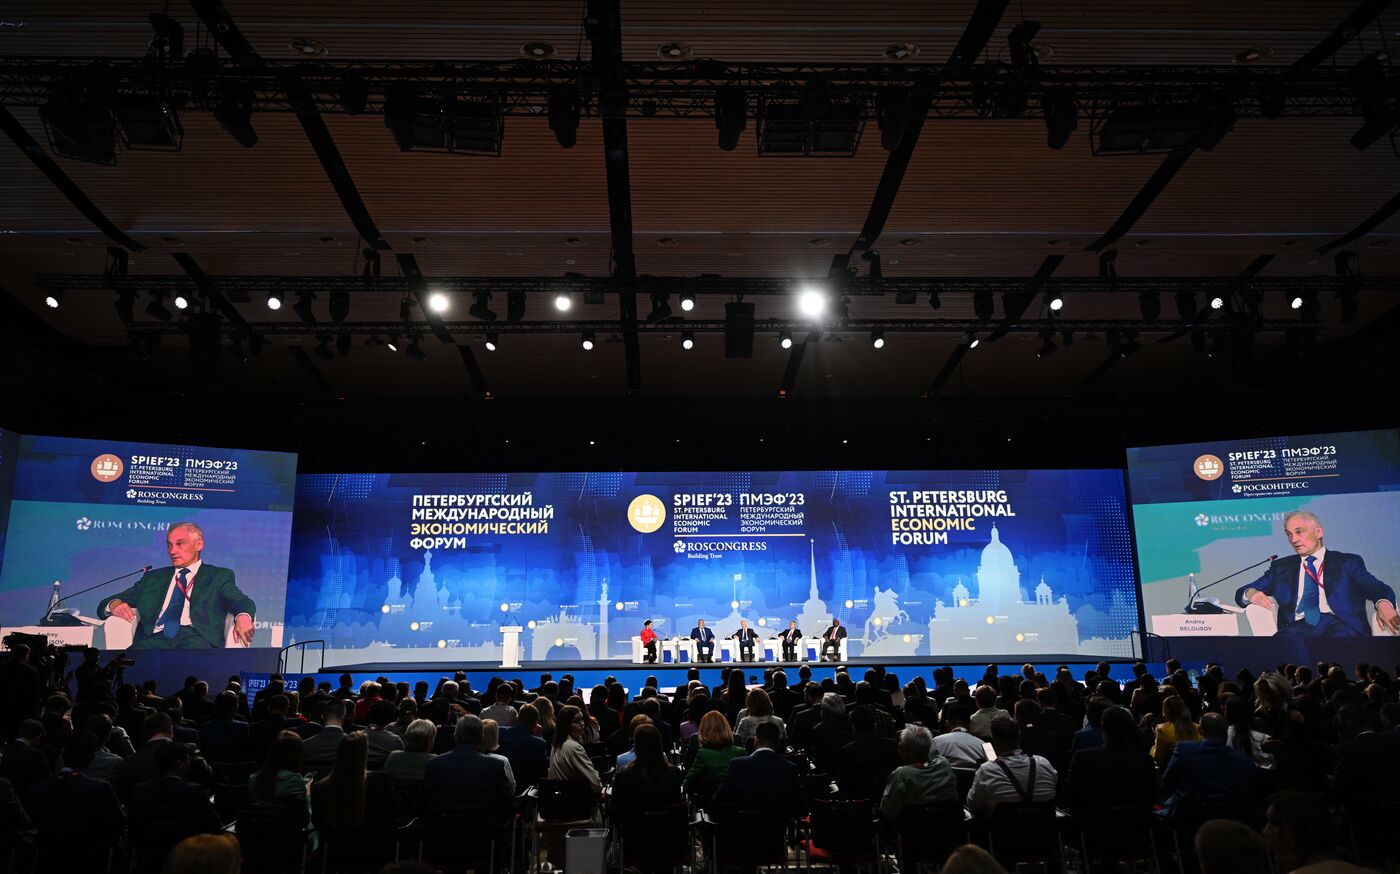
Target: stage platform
[[587, 674]]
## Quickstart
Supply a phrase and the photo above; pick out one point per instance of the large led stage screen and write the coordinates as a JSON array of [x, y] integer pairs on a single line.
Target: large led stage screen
[[426, 567], [83, 513], [1225, 531]]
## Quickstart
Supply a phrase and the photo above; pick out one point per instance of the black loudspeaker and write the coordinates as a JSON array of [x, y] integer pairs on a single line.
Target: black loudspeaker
[[738, 330]]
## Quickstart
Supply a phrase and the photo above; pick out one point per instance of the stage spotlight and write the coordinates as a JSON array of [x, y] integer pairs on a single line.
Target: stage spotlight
[[1307, 305], [414, 351], [1151, 304], [54, 299], [687, 340], [235, 115], [181, 302], [731, 115], [811, 303], [323, 347], [515, 306], [1217, 302], [1047, 345], [687, 302], [660, 307], [587, 341], [877, 339], [438, 302], [785, 339], [491, 342], [563, 301], [1128, 344], [972, 341], [406, 309], [339, 305], [563, 106], [1061, 118], [1349, 306], [342, 344], [1297, 302], [126, 306], [303, 306], [480, 308], [392, 344], [1054, 301], [79, 124], [1186, 305], [156, 308], [274, 300], [934, 301], [982, 305]]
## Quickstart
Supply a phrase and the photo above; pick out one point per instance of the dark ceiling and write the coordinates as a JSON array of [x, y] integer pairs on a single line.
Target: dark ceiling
[[982, 197]]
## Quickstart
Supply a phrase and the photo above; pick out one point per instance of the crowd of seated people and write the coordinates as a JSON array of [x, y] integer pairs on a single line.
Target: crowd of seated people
[[1288, 755]]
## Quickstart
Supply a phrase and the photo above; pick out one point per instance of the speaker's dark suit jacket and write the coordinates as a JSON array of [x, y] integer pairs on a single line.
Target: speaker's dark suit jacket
[[763, 780], [215, 594], [1344, 578], [466, 777]]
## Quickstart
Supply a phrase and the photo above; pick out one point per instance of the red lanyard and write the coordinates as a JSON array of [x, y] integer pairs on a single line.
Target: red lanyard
[[1316, 576], [184, 586]]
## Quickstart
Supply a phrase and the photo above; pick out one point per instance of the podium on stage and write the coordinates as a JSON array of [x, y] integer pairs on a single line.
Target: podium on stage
[[510, 646]]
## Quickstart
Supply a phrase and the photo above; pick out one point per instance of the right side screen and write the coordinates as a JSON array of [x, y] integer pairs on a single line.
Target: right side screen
[[1216, 523]]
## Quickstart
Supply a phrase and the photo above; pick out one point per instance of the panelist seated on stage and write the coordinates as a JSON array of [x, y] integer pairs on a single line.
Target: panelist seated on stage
[[704, 641], [1320, 592], [183, 606], [792, 641], [831, 641], [748, 639]]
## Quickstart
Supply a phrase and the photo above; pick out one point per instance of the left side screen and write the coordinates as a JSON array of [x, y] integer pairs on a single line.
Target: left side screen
[[83, 512], [9, 443]]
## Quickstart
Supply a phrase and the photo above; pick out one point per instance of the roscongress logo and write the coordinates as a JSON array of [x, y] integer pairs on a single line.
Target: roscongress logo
[[1208, 467], [1202, 520], [679, 546], [84, 523], [646, 513], [130, 494], [106, 467]]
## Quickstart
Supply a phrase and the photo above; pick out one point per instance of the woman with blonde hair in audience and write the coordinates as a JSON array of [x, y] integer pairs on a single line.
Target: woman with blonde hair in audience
[[759, 709], [406, 765], [716, 749], [490, 743], [567, 758], [545, 707], [1176, 727], [204, 854]]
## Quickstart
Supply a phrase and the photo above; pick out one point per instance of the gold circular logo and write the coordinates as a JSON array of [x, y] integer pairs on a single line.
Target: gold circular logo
[[106, 468], [1209, 467], [646, 513]]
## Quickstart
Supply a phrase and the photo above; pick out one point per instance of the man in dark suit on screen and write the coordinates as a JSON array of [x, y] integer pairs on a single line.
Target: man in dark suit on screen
[[792, 639], [748, 639], [183, 606], [831, 641], [1320, 592]]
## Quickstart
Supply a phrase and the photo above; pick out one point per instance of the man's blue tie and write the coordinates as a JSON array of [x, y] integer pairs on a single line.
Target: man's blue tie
[[1309, 606], [171, 617]]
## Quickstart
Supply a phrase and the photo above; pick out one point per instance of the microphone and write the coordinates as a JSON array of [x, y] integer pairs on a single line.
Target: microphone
[[49, 619], [1201, 608]]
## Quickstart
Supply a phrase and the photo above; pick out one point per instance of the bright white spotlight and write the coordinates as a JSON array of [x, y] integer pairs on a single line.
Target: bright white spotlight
[[274, 300], [563, 301], [1296, 303], [687, 302], [811, 303], [437, 302], [1218, 303], [972, 341], [1057, 303], [182, 302], [393, 344], [785, 340], [877, 339], [587, 342], [687, 340], [490, 342], [51, 301]]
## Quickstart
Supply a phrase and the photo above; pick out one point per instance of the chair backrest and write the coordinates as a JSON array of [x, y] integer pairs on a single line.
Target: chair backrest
[[565, 800], [458, 834], [1119, 834], [928, 833], [747, 836], [700, 790], [964, 776], [269, 838], [1024, 831], [659, 834], [843, 826]]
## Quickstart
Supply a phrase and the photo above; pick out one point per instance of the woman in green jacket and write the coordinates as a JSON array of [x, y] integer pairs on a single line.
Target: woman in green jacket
[[716, 749]]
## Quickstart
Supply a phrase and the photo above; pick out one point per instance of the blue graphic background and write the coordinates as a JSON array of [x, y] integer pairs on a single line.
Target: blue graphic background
[[352, 558]]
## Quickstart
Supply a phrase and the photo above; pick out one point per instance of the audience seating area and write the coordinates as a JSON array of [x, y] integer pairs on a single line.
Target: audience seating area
[[1288, 769]]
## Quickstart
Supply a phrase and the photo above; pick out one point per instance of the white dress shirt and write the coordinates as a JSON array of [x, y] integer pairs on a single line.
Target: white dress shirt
[[1320, 556]]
